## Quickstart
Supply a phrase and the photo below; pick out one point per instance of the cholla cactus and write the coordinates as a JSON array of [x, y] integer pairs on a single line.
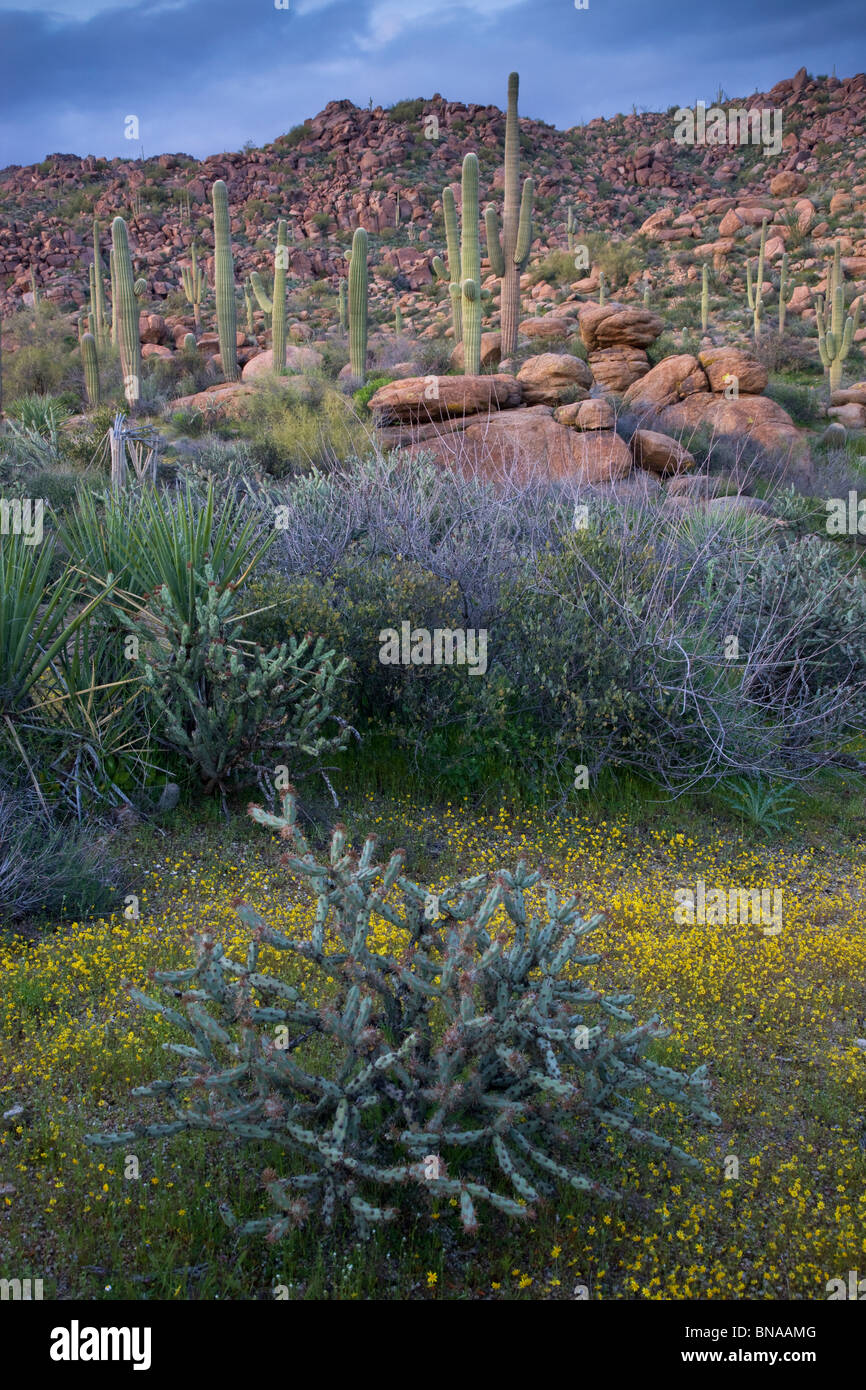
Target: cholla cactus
[[834, 344], [755, 292], [452, 273], [510, 253], [460, 1020], [232, 712]]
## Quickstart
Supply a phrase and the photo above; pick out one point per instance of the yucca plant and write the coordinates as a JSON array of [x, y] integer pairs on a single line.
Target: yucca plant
[[151, 539]]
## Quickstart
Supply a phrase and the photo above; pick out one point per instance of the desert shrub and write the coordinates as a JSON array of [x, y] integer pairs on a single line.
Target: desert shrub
[[408, 110], [292, 434], [801, 402], [41, 413], [455, 1050], [47, 866], [557, 268], [362, 396]]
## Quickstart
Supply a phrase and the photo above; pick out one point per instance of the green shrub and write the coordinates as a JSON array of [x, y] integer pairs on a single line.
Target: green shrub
[[455, 1050], [362, 396]]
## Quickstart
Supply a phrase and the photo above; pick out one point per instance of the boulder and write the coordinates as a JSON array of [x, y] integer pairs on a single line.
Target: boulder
[[152, 328], [850, 395], [786, 184], [298, 359], [423, 398], [660, 454], [548, 327], [491, 351], [751, 417], [550, 376], [852, 415], [615, 369], [671, 380], [721, 364], [154, 350], [617, 325], [596, 414], [532, 444]]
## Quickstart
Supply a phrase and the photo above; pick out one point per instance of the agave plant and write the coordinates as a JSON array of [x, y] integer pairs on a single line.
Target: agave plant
[[759, 802]]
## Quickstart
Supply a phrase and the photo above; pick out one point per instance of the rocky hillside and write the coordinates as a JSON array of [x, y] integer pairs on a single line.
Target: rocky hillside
[[385, 170]]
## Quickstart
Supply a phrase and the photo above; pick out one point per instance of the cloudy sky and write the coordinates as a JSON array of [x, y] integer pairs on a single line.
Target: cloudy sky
[[205, 76]]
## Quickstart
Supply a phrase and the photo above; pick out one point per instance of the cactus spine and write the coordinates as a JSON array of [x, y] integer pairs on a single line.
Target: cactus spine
[[97, 290], [470, 268], [358, 305], [786, 291], [224, 282], [452, 274], [834, 342], [754, 293], [509, 254], [705, 297], [126, 313], [91, 368], [193, 282], [343, 307]]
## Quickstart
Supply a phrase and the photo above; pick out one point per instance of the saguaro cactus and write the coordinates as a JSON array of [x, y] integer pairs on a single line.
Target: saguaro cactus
[[509, 254], [193, 281], [834, 343], [570, 228], [754, 293], [786, 291], [278, 326], [90, 361], [470, 268], [398, 320], [97, 293], [126, 313], [452, 274], [224, 282], [705, 297], [602, 288], [113, 295], [358, 304], [343, 306]]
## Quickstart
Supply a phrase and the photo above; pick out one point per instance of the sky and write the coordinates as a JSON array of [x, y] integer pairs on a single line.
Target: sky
[[205, 76]]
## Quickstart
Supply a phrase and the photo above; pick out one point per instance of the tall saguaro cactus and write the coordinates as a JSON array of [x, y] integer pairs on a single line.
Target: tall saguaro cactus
[[90, 362], [126, 313], [224, 282], [509, 254], [452, 274], [570, 228], [834, 342], [754, 293], [470, 268], [193, 281], [97, 297], [275, 304], [358, 304]]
